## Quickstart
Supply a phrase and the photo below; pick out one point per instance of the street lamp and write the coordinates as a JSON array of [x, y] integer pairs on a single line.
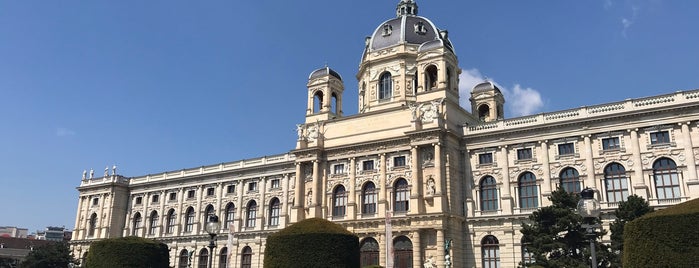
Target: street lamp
[[589, 208], [212, 227]]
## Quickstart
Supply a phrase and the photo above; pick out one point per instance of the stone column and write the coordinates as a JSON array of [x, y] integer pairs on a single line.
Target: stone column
[[638, 180], [316, 201], [284, 204], [351, 192], [179, 219], [440, 248], [384, 200], [506, 192], [162, 221], [689, 153], [416, 193], [241, 207], [262, 205], [546, 187], [438, 167], [591, 181], [299, 194], [417, 250], [80, 231]]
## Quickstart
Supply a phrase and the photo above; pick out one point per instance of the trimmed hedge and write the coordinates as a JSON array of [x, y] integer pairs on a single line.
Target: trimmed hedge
[[665, 238], [312, 243], [127, 252]]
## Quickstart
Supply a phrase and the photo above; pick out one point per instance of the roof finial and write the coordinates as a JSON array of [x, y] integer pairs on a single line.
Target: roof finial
[[406, 7]]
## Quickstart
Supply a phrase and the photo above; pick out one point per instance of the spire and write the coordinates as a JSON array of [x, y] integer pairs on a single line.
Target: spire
[[406, 7]]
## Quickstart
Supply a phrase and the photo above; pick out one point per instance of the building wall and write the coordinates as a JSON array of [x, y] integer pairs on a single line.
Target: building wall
[[420, 136]]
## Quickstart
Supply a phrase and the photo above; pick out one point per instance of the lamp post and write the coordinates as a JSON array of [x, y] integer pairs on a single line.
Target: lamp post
[[589, 208], [212, 227]]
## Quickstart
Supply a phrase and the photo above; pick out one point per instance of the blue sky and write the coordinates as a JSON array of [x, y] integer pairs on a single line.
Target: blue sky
[[153, 86]]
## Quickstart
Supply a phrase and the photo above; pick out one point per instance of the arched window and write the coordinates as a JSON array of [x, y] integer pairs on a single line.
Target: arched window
[[246, 258], [369, 252], [483, 113], [339, 201], [369, 196], [183, 259], [333, 104], [385, 86], [431, 77], [170, 221], [137, 224], [403, 252], [251, 214], [570, 180], [667, 181], [527, 256], [616, 183], [490, 251], [92, 225], [223, 258], [189, 220], [401, 195], [489, 194], [203, 258], [153, 225], [528, 191], [449, 76], [274, 209], [230, 215], [318, 101], [208, 212]]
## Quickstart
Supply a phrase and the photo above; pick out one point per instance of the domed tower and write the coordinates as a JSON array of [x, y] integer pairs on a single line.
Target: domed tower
[[324, 95], [487, 102], [407, 59]]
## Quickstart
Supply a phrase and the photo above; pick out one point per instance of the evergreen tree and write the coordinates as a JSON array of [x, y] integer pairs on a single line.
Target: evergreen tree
[[51, 255], [634, 207], [555, 238]]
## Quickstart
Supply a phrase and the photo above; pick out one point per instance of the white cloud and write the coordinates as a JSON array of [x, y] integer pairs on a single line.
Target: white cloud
[[608, 4], [63, 132], [519, 101], [626, 23]]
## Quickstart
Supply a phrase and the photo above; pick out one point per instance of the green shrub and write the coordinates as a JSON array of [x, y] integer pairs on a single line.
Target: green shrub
[[127, 252], [312, 243], [665, 238]]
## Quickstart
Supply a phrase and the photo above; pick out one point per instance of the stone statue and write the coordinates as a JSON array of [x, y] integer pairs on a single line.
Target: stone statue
[[92, 173], [84, 174], [309, 197], [114, 170], [429, 263], [299, 131], [106, 171], [430, 187]]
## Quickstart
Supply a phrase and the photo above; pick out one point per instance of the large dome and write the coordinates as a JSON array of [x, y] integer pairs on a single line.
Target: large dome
[[407, 28]]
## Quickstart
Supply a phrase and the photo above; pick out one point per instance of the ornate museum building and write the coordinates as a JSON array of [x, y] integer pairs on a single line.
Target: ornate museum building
[[411, 157]]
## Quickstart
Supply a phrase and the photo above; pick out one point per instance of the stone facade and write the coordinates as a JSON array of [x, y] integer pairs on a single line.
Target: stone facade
[[444, 178]]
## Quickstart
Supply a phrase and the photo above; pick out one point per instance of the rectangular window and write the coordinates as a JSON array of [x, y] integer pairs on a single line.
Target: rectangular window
[[399, 161], [173, 196], [95, 201], [139, 200], [209, 191], [230, 189], [660, 137], [190, 194], [275, 183], [368, 165], [155, 198], [524, 154], [252, 186], [566, 149], [611, 144], [339, 169], [485, 158]]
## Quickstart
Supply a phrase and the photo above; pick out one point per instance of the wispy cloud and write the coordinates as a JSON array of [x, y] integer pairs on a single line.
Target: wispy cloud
[[519, 101], [608, 4], [627, 22], [64, 132]]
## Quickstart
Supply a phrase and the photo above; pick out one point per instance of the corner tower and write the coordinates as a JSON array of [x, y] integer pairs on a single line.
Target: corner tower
[[407, 59], [324, 95], [487, 102]]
